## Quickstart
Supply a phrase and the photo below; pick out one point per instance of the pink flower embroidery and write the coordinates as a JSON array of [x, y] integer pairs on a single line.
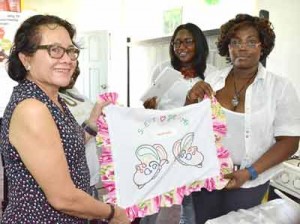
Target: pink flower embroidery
[[174, 196]]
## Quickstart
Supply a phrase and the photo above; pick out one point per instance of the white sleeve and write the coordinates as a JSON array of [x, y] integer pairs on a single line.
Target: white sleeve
[[287, 118], [209, 69], [158, 69]]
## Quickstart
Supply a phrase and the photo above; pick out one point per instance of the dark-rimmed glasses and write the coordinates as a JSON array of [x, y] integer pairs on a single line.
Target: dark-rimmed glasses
[[248, 44], [186, 42], [57, 52]]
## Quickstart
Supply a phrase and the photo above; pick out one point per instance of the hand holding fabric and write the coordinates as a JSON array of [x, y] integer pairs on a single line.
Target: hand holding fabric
[[120, 216], [237, 178], [95, 113], [198, 91], [150, 103]]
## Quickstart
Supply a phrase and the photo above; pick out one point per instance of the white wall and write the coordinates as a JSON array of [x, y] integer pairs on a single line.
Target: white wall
[[213, 16], [285, 58], [145, 18]]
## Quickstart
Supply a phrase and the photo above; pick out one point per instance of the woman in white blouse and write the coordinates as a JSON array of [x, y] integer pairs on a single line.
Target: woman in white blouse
[[188, 55], [262, 111]]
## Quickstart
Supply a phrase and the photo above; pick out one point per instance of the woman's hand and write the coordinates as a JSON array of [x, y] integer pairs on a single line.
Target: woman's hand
[[120, 216], [150, 103], [91, 123], [198, 91], [95, 113], [237, 178]]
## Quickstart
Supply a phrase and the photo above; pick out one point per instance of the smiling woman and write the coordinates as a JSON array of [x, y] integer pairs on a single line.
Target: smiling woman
[[47, 173], [188, 50]]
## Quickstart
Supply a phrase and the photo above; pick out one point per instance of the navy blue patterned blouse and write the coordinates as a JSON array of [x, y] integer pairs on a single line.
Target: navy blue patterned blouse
[[26, 201]]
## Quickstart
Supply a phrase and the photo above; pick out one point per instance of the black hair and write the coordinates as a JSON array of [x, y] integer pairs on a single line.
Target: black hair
[[27, 39], [201, 49], [262, 25]]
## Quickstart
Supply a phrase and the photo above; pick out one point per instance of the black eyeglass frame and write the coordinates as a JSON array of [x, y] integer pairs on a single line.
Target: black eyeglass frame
[[187, 42], [68, 50]]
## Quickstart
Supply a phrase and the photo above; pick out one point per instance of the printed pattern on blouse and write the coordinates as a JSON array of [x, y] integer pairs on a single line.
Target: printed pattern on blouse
[[26, 201]]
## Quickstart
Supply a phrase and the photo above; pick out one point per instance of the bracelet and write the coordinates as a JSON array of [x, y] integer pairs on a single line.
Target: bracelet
[[88, 129], [111, 214], [253, 173]]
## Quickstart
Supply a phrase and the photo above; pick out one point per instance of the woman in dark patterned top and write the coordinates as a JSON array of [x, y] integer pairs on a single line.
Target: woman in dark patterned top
[[42, 144]]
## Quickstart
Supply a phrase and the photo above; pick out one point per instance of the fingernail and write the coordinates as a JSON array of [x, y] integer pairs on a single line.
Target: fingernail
[[235, 168]]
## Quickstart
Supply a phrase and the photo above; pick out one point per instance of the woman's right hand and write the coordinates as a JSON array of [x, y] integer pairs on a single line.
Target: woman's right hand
[[198, 91], [150, 103], [96, 112], [120, 216]]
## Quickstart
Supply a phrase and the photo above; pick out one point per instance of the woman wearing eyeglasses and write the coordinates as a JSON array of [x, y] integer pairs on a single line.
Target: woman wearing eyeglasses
[[188, 54], [42, 144], [262, 112]]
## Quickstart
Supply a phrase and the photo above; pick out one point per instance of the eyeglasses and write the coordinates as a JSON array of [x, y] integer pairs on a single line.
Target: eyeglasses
[[248, 44], [186, 42], [57, 52]]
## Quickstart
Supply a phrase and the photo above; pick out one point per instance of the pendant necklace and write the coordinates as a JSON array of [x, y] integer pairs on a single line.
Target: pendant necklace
[[236, 97], [70, 98], [75, 96]]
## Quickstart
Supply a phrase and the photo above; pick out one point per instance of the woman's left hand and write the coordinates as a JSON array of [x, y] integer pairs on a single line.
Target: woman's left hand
[[237, 178], [151, 103], [96, 112]]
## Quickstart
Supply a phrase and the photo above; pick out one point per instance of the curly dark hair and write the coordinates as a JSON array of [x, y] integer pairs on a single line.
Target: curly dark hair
[[263, 26], [201, 49], [27, 39]]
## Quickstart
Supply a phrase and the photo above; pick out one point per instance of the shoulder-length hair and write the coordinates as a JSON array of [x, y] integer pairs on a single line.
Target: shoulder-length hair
[[201, 49]]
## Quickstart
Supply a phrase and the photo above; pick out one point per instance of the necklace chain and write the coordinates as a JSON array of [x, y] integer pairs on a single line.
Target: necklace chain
[[68, 100], [236, 97]]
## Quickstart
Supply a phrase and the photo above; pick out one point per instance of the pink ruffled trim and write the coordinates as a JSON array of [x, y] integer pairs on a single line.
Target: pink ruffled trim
[[172, 197]]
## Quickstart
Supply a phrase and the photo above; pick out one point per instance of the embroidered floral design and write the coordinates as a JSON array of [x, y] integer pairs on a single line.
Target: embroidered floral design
[[174, 196], [187, 154], [152, 158]]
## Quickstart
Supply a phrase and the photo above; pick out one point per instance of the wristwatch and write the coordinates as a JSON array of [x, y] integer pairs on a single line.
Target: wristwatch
[[88, 129], [253, 173]]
